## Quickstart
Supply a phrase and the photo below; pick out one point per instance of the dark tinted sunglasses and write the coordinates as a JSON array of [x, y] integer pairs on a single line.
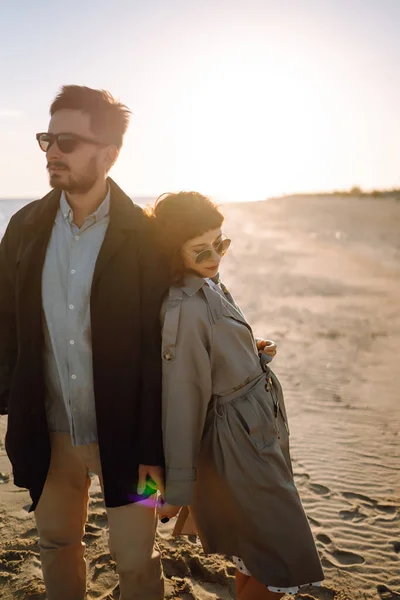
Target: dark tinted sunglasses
[[66, 142], [220, 248]]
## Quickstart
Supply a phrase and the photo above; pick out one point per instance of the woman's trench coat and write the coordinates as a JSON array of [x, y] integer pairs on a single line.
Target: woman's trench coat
[[226, 439]]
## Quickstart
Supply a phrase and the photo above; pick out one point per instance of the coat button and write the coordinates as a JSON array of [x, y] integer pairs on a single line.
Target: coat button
[[168, 355]]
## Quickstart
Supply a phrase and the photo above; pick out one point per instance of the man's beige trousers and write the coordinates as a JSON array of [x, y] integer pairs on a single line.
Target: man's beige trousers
[[61, 516]]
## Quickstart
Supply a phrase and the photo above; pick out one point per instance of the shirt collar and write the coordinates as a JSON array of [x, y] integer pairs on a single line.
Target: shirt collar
[[102, 211]]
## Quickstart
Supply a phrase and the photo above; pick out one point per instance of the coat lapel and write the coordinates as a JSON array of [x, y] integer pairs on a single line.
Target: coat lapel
[[37, 230], [38, 225], [124, 217]]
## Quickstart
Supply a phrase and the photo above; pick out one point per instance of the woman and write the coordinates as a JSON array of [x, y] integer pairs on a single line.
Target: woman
[[224, 421]]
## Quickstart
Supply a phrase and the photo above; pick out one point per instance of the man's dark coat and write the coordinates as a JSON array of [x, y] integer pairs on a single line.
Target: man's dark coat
[[127, 289]]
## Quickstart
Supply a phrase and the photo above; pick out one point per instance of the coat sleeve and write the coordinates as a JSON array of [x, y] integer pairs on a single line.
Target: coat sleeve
[[8, 334], [187, 391], [154, 286]]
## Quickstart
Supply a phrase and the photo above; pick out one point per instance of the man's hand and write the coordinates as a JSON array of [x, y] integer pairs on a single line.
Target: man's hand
[[167, 511], [267, 347], [154, 473]]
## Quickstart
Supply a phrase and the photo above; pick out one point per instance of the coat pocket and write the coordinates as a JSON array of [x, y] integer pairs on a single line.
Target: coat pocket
[[251, 418]]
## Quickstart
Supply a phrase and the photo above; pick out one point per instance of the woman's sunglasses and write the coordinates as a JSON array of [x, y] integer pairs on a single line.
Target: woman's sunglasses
[[220, 248], [66, 142]]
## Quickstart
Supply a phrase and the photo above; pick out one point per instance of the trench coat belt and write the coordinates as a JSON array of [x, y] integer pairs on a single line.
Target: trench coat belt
[[261, 379], [244, 389]]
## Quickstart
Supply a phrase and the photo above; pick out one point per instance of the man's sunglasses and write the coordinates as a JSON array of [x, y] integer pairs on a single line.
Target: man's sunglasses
[[66, 142], [220, 247]]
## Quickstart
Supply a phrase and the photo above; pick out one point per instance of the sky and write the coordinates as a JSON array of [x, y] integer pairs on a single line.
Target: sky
[[238, 99]]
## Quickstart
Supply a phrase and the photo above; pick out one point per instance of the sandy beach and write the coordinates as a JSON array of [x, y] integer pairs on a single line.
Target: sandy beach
[[321, 277]]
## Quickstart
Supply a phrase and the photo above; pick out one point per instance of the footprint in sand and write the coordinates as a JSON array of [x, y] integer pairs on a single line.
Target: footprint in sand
[[364, 499], [347, 559], [202, 571], [386, 594], [354, 514], [324, 539], [388, 509], [13, 560], [319, 489], [103, 581], [375, 510], [337, 557], [174, 568], [301, 478], [396, 547], [323, 592]]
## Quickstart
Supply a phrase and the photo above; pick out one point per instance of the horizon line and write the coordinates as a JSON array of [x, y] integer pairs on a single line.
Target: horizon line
[[354, 191]]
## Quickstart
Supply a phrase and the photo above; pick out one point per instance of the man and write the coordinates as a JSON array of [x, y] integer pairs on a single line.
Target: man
[[80, 373]]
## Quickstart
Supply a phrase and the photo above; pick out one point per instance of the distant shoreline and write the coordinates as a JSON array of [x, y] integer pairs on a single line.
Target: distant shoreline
[[356, 192], [141, 200]]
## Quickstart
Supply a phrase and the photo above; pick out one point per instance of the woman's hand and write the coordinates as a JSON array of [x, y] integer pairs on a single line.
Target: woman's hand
[[167, 511], [267, 347], [149, 474]]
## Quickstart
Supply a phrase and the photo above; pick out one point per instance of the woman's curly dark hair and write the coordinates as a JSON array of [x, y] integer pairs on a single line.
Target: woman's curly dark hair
[[178, 218]]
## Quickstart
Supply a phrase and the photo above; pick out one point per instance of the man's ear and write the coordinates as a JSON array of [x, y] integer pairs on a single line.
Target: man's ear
[[111, 156]]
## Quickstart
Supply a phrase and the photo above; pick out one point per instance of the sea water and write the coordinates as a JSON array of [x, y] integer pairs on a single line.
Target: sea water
[[9, 207]]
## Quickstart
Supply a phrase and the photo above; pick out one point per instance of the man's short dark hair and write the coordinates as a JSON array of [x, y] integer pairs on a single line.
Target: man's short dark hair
[[109, 119]]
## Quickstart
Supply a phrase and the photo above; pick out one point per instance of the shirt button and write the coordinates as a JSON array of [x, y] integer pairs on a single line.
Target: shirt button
[[73, 271], [71, 342], [71, 307], [77, 237], [168, 355], [73, 376]]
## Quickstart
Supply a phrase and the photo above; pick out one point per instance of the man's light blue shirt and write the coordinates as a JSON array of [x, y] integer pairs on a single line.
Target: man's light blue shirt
[[66, 287]]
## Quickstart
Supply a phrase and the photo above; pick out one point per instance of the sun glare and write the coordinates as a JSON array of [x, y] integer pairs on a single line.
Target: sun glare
[[252, 132]]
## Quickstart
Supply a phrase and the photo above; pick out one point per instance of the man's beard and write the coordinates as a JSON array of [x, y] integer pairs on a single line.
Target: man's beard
[[81, 185]]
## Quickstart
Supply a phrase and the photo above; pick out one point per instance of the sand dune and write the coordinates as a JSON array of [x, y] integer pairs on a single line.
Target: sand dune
[[321, 276]]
